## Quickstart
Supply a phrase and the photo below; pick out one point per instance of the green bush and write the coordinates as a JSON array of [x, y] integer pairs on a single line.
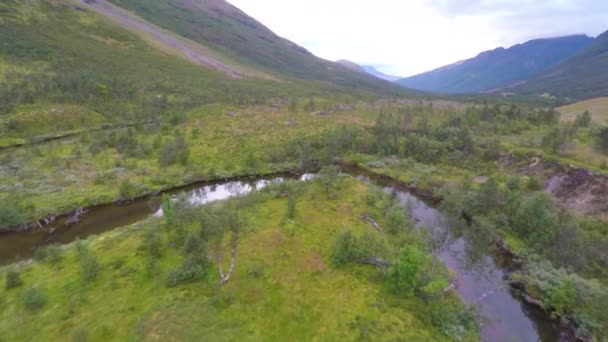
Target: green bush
[[52, 254], [537, 220], [13, 279], [10, 214], [89, 267], [348, 247], [34, 299], [406, 274], [195, 262], [342, 251], [534, 184]]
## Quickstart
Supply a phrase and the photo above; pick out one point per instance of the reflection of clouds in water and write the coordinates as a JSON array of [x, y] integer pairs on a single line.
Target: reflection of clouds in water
[[217, 192]]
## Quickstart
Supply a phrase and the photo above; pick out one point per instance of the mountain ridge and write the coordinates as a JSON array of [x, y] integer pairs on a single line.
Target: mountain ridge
[[499, 67]]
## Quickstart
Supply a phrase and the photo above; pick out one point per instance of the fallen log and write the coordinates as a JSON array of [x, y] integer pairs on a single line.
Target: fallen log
[[373, 223], [375, 261]]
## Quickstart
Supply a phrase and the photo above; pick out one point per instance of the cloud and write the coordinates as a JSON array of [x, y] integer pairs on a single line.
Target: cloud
[[413, 36]]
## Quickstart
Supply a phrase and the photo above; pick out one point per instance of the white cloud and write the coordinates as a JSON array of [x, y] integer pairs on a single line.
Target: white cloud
[[407, 37]]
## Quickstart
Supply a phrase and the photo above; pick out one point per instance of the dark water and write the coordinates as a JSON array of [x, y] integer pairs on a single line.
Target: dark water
[[20, 246], [504, 316], [482, 283]]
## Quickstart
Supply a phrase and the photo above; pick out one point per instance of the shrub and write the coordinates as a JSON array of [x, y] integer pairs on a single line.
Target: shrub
[[396, 220], [534, 184], [127, 190], [10, 214], [152, 244], [174, 151], [406, 274], [34, 299], [52, 254], [514, 183], [88, 264], [13, 279], [342, 251], [195, 263], [537, 220], [602, 139]]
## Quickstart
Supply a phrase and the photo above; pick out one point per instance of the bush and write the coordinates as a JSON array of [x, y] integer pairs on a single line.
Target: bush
[[291, 206], [342, 251], [10, 214], [534, 184], [52, 254], [89, 266], [174, 151], [406, 274], [13, 279], [127, 191], [195, 263], [34, 299], [537, 220], [152, 244], [514, 183], [351, 248], [396, 220]]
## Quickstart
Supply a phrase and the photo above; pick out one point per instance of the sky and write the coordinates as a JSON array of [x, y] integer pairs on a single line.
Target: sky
[[407, 37]]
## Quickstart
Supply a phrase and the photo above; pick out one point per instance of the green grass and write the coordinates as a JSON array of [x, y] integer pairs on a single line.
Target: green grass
[[60, 176], [37, 121], [284, 286], [598, 108]]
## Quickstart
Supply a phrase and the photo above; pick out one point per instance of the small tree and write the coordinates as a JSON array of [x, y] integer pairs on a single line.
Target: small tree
[[537, 220], [406, 274], [583, 120]]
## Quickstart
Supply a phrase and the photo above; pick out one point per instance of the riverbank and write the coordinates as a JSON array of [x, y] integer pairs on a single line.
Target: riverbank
[[284, 283]]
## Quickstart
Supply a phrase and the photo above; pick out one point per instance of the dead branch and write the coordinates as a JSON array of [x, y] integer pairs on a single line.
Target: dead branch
[[375, 261], [373, 223], [226, 278]]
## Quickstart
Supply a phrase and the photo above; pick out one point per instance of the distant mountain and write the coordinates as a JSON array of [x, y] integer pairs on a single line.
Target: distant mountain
[[500, 67], [372, 71], [366, 69], [583, 76], [351, 66]]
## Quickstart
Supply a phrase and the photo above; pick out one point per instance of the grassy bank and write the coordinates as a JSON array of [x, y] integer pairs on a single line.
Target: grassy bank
[[287, 281]]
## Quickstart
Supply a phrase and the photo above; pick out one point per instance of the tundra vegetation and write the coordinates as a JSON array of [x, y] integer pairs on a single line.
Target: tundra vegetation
[[91, 113]]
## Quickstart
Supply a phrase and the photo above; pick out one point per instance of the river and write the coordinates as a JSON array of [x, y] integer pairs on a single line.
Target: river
[[504, 317]]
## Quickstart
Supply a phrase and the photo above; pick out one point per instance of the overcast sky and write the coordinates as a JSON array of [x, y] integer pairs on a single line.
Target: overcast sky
[[406, 37]]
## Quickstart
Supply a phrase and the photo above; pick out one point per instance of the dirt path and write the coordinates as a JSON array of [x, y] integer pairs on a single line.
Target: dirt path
[[166, 40]]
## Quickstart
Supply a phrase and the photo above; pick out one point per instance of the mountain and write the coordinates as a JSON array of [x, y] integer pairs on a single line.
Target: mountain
[[372, 71], [366, 69], [583, 76], [500, 67], [226, 29], [352, 66]]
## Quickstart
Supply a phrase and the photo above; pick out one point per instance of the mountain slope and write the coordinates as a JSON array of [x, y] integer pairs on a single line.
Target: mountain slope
[[583, 76], [499, 67], [228, 30]]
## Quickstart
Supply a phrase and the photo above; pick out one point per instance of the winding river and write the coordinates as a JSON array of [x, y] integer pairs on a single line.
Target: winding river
[[503, 316]]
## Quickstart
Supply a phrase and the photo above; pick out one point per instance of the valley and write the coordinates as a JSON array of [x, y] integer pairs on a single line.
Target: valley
[[174, 170]]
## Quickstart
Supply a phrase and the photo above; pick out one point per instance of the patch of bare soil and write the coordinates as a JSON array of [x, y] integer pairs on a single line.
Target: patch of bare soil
[[191, 50], [581, 191]]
